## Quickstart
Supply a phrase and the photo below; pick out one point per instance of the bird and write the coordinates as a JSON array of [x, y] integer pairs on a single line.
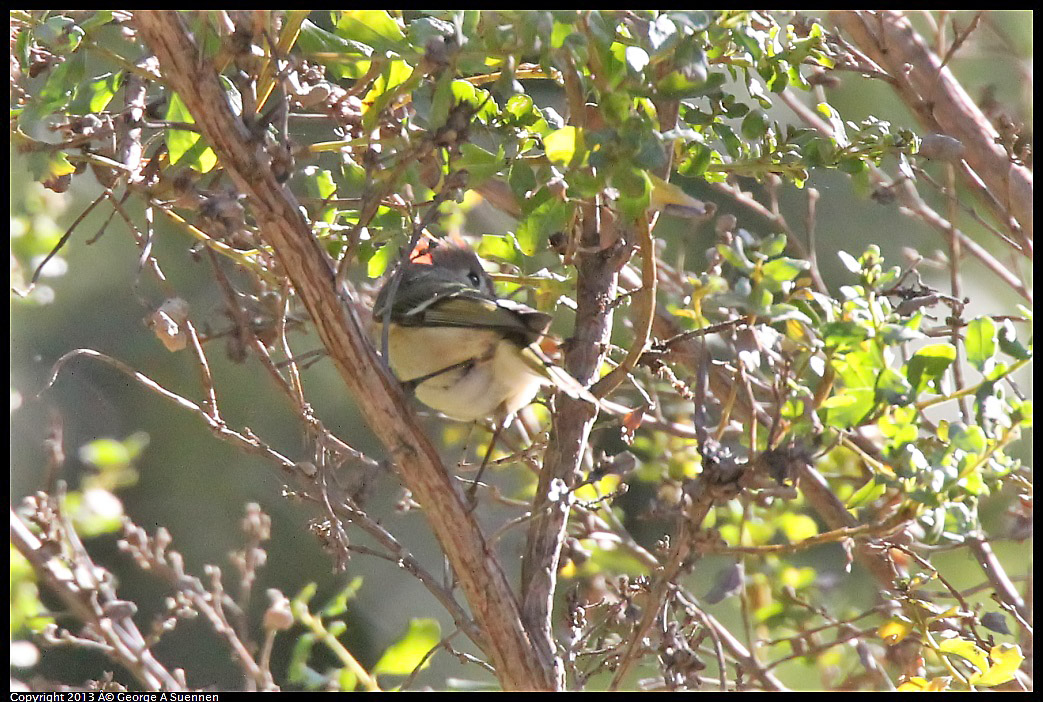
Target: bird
[[462, 350]]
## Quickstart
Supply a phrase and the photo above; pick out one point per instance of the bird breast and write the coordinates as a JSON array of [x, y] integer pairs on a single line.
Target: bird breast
[[490, 379]]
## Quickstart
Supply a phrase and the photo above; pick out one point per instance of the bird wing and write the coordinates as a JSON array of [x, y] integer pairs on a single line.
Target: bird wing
[[468, 308], [562, 380]]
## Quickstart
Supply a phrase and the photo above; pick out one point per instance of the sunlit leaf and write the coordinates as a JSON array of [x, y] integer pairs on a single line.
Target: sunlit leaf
[[928, 364], [403, 656], [980, 341], [374, 28], [1006, 660], [187, 146], [561, 145]]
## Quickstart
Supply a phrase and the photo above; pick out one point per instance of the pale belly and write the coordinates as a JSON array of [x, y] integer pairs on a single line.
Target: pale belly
[[492, 380]]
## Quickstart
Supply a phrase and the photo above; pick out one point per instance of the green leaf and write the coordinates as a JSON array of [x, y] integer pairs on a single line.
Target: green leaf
[[94, 511], [754, 125], [58, 90], [521, 179], [736, 255], [519, 106], [425, 29], [184, 145], [678, 86], [779, 79], [480, 164], [397, 78], [441, 100], [106, 454], [346, 679], [501, 248], [298, 671], [342, 57], [968, 438], [900, 333], [379, 261], [848, 408], [980, 341], [892, 388], [835, 121], [783, 312], [899, 425], [797, 527], [95, 95], [43, 165], [550, 215], [403, 656], [866, 494], [928, 364], [374, 28], [523, 113], [463, 91], [698, 159], [338, 605], [1009, 344], [843, 335], [774, 245], [99, 18], [732, 143], [319, 184], [560, 31], [782, 270]]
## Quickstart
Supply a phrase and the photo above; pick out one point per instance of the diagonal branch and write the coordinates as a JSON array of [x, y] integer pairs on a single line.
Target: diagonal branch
[[941, 104]]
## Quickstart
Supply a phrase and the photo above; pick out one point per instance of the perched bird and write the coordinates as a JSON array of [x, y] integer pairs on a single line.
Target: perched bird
[[464, 351]]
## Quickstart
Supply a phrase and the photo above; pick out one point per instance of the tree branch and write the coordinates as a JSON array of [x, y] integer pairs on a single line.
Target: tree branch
[[595, 287], [941, 104]]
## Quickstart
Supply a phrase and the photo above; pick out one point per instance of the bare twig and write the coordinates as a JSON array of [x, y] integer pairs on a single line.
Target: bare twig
[[91, 600]]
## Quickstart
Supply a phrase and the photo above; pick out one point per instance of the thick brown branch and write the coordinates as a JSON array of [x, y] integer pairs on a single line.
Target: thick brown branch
[[595, 288]]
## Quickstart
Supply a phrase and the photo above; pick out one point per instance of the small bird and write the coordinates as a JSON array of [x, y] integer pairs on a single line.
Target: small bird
[[464, 351]]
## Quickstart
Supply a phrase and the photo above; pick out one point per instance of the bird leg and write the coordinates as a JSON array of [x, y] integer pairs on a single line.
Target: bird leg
[[471, 492]]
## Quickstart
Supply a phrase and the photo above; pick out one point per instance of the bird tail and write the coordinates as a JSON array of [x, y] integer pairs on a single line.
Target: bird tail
[[558, 376]]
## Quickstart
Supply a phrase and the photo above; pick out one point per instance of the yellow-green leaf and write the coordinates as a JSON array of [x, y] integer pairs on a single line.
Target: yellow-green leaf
[[403, 656], [1006, 659], [183, 145], [560, 145], [967, 650], [798, 527], [894, 630]]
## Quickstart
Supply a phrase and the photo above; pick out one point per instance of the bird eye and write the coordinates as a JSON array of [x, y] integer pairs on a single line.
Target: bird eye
[[475, 279]]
